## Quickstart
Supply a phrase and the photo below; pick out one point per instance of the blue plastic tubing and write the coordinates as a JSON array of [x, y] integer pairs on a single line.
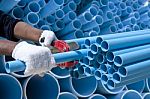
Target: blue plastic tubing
[[109, 30], [41, 87], [90, 34], [138, 86], [144, 9], [125, 95], [145, 17], [15, 66], [21, 3], [71, 6], [58, 25], [42, 3], [96, 21], [17, 13], [97, 96], [121, 43], [32, 7], [67, 95], [128, 58], [79, 87], [31, 18], [4, 6], [110, 55], [72, 26], [59, 14], [71, 15], [50, 7], [45, 27], [73, 35], [10, 87], [50, 19], [146, 95]]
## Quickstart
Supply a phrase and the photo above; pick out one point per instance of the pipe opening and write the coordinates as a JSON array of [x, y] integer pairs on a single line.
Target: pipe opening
[[86, 60], [118, 61], [60, 14], [96, 29], [104, 46], [117, 19], [93, 11], [120, 25], [88, 71], [129, 94], [32, 18], [133, 21], [81, 70], [78, 34], [87, 42], [137, 15], [104, 79], [104, 2], [116, 77], [111, 5], [110, 84], [110, 56], [109, 15], [94, 48], [97, 75], [90, 54], [58, 2], [45, 27], [72, 15], [136, 27], [122, 6], [60, 24], [99, 19], [111, 70], [88, 16], [113, 29], [103, 68], [122, 71], [100, 12], [50, 19], [93, 33], [18, 13], [100, 58], [72, 6], [34, 7], [77, 24]]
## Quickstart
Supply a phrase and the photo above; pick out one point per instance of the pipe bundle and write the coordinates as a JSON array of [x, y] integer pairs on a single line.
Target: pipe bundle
[[113, 55]]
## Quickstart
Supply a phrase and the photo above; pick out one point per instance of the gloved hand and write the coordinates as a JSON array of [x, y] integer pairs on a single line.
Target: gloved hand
[[38, 59], [47, 37]]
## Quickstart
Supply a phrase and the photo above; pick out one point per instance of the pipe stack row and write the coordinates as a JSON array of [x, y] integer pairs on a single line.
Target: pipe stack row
[[110, 65]]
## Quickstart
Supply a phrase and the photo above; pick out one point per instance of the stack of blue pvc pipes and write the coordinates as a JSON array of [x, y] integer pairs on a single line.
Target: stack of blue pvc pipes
[[114, 53]]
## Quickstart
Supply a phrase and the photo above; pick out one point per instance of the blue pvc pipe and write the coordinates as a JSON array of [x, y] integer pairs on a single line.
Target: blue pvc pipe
[[71, 6], [144, 9], [50, 7], [109, 7], [97, 96], [50, 20], [67, 95], [145, 17], [107, 16], [59, 14], [14, 66], [90, 34], [21, 3], [122, 6], [69, 17], [79, 87], [10, 88], [42, 3], [120, 43], [97, 29], [129, 21], [72, 26], [58, 25], [85, 17], [96, 21], [73, 35], [138, 86], [135, 6], [45, 87], [146, 95], [32, 7], [103, 2], [45, 27], [125, 95], [127, 11], [4, 6], [2, 65], [41, 23], [31, 18], [109, 30], [17, 13]]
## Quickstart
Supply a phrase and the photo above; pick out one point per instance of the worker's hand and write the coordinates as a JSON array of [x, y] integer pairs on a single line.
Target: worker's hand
[[47, 37], [38, 59]]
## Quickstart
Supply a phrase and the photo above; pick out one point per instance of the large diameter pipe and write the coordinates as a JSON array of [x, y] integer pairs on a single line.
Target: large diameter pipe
[[50, 7], [4, 6], [67, 95], [17, 13], [146, 95], [10, 88], [79, 87], [15, 66], [126, 95], [128, 58], [120, 43], [37, 87]]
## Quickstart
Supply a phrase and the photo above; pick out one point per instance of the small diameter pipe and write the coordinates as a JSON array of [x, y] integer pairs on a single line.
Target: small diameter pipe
[[72, 26], [97, 96], [100, 58], [67, 95], [17, 13], [15, 66], [129, 21], [42, 3], [120, 43], [41, 23], [22, 3], [71, 15], [122, 6], [59, 14], [97, 29], [71, 6], [96, 21], [103, 2], [10, 88], [32, 7], [126, 95], [58, 25], [79, 87], [111, 55], [135, 6], [143, 9], [73, 35], [90, 34], [41, 87], [110, 6], [85, 17], [127, 11], [98, 75], [45, 27], [50, 20], [128, 58], [109, 30], [31, 18], [4, 6], [50, 7], [107, 16], [136, 27], [103, 89], [138, 86]]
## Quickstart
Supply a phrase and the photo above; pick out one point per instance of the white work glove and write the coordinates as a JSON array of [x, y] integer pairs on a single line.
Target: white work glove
[[47, 37], [38, 59]]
